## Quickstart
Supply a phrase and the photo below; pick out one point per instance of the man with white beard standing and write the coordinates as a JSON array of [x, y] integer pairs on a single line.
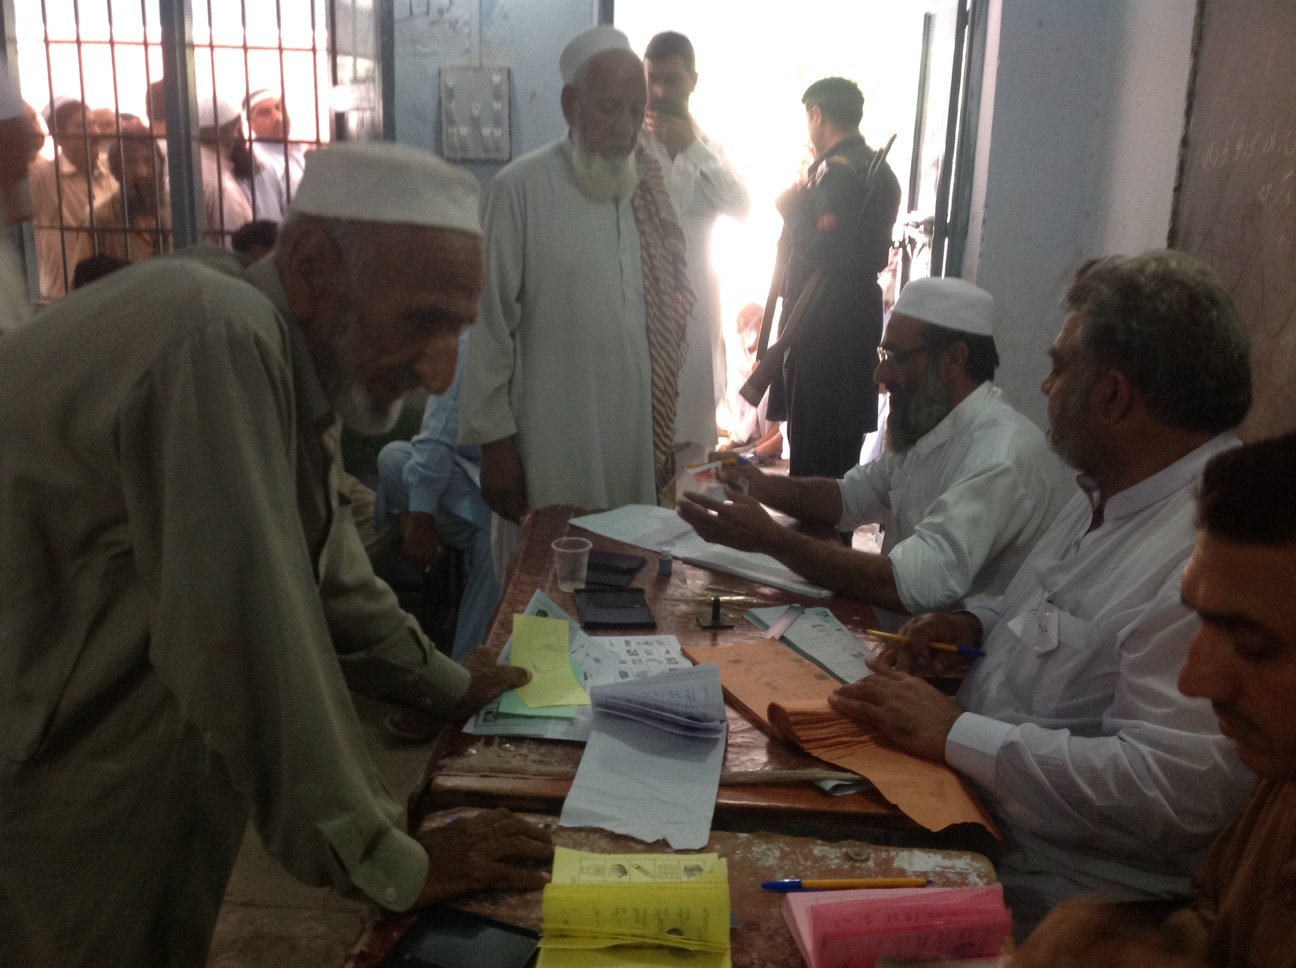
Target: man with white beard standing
[[570, 379]]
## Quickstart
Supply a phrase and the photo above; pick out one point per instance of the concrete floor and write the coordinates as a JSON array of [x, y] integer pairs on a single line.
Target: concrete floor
[[271, 920]]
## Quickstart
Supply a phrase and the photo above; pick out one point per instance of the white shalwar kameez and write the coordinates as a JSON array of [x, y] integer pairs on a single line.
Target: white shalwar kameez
[[559, 354]]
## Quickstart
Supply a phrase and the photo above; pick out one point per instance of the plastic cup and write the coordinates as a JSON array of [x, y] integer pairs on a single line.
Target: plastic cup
[[571, 559]]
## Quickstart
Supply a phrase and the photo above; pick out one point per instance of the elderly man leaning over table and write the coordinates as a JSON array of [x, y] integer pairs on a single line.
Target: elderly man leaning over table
[[1242, 659], [1105, 776], [183, 589], [966, 488]]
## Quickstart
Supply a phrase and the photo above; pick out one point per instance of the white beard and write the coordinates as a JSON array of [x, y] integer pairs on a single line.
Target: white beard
[[359, 412], [350, 398], [602, 178]]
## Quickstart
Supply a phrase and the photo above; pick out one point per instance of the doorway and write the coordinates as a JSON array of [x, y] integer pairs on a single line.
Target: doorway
[[753, 64]]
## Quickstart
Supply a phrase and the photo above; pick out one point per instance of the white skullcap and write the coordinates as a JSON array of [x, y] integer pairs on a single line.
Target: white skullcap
[[215, 111], [11, 105], [259, 95], [51, 109], [380, 181], [585, 45], [952, 303]]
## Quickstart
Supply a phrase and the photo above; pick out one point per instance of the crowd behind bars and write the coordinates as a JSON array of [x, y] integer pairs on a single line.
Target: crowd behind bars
[[102, 201]]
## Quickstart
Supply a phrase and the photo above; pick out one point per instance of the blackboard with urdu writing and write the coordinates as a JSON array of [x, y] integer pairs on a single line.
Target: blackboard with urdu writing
[[1235, 205]]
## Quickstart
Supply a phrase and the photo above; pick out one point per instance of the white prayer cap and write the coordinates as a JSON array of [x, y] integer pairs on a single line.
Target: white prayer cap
[[952, 303], [381, 181], [585, 45], [52, 108], [11, 105], [215, 111], [259, 95]]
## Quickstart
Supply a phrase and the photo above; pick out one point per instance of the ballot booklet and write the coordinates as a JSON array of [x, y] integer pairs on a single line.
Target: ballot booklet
[[605, 910], [866, 927]]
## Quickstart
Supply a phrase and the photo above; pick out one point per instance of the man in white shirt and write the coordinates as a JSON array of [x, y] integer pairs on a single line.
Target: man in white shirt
[[703, 186], [966, 488], [569, 385], [1106, 778], [280, 163]]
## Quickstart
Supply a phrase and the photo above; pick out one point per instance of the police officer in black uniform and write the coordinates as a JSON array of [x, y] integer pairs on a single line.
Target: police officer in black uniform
[[837, 227]]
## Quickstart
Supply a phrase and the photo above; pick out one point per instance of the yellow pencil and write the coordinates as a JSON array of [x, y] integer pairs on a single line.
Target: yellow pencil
[[938, 646]]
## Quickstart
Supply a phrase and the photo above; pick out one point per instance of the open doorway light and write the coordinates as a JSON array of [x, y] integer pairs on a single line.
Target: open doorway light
[[754, 61]]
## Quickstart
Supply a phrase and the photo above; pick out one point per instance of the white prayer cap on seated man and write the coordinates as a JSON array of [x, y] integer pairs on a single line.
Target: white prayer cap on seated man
[[951, 303], [585, 45], [381, 181]]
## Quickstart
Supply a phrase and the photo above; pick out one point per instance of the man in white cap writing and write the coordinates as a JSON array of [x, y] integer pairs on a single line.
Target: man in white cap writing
[[1105, 776], [180, 579], [280, 163], [570, 380], [966, 487]]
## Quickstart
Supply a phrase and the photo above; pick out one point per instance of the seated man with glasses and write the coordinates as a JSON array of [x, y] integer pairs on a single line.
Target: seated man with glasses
[[966, 486]]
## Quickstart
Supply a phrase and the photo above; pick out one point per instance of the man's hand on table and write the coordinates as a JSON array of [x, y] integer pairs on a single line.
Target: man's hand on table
[[910, 711], [1083, 934], [493, 851], [740, 522], [503, 481], [489, 679]]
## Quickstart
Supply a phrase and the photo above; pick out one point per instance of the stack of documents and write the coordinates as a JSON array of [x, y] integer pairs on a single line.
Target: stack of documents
[[606, 910], [653, 528], [858, 928], [787, 695], [819, 635], [593, 662], [651, 768]]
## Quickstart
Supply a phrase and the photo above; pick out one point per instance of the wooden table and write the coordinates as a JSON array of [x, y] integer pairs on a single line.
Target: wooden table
[[765, 783], [760, 937]]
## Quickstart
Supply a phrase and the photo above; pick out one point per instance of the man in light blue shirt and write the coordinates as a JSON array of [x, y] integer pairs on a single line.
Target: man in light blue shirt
[[432, 481]]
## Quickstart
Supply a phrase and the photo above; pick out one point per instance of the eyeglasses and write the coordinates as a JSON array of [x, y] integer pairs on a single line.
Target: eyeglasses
[[898, 357]]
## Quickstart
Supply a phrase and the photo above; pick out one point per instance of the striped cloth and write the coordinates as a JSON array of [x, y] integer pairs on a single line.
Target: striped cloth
[[668, 300]]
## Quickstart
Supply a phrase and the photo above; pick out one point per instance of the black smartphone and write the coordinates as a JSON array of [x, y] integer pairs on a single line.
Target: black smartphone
[[612, 569], [614, 608], [444, 937]]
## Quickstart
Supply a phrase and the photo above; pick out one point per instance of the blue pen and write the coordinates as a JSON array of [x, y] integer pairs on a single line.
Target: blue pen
[[841, 883]]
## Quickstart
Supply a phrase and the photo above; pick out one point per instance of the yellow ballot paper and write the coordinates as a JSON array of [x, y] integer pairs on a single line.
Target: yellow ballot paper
[[541, 645], [635, 910]]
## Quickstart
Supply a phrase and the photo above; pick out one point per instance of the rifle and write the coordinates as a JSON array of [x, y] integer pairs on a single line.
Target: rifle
[[771, 357]]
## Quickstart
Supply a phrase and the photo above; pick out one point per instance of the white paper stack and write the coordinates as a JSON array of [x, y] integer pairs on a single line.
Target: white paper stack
[[651, 768]]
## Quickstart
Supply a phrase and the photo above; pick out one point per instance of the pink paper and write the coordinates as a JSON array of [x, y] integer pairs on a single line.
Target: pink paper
[[853, 929]]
